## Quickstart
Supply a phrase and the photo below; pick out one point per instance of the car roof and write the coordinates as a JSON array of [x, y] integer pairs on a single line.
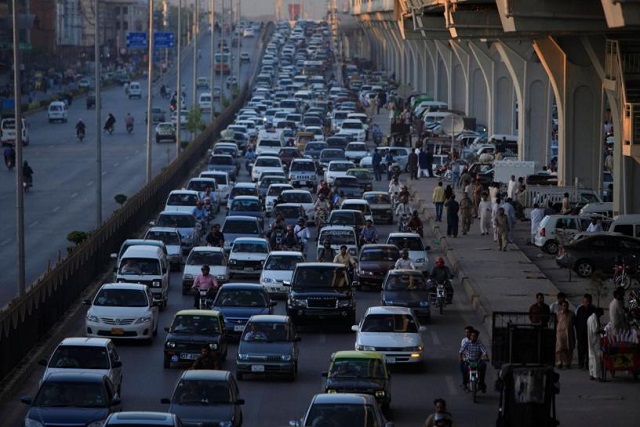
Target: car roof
[[404, 235], [161, 230], [388, 310], [176, 213], [241, 218], [319, 264], [354, 202], [124, 285], [205, 374], [243, 286], [344, 398], [75, 376], [378, 245], [184, 191], [244, 185], [84, 342], [377, 193], [195, 312], [207, 249], [272, 318], [353, 354], [286, 253], [337, 227]]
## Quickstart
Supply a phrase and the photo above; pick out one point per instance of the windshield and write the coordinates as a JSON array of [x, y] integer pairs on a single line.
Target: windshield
[[188, 324], [250, 247], [269, 162], [225, 150], [121, 298], [338, 237], [201, 393], [399, 323], [356, 147], [220, 179], [80, 357], [362, 207], [240, 227], [267, 332], [182, 200], [379, 254], [357, 368], [200, 185], [344, 181], [205, 257], [241, 298], [168, 238], [268, 180], [276, 190], [412, 244], [340, 167], [315, 277], [66, 394], [315, 146], [243, 191], [346, 218], [335, 414], [246, 206], [287, 211], [351, 125], [176, 221], [360, 174], [297, 198], [282, 262], [332, 154], [406, 282], [269, 143], [221, 160]]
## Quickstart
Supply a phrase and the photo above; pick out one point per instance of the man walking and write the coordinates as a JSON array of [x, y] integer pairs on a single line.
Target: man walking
[[428, 160], [438, 200], [510, 212], [376, 160], [583, 313], [537, 214], [412, 164], [501, 224], [453, 207], [594, 332], [539, 312], [466, 208], [455, 174]]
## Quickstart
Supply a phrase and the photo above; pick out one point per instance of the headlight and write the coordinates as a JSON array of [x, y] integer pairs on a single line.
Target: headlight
[[188, 277], [28, 422], [421, 261], [387, 302], [96, 423], [232, 261], [155, 284], [380, 393], [213, 346], [297, 303], [286, 357], [170, 344], [143, 319], [342, 303], [92, 318], [331, 391], [221, 277], [415, 348], [243, 356], [267, 280], [365, 348]]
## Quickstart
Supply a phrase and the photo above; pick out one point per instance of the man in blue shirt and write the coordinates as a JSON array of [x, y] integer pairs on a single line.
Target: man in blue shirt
[[474, 351], [369, 234]]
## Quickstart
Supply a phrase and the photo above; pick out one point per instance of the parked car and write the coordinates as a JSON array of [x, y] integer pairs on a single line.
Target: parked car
[[554, 229]]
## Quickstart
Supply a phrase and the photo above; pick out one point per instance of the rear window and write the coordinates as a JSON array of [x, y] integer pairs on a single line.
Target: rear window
[[240, 227], [182, 200], [221, 160], [176, 221], [80, 357]]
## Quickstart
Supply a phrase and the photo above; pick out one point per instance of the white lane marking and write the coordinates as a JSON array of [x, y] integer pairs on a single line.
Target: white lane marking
[[33, 224], [74, 195], [5, 242], [115, 165], [90, 183], [56, 209], [104, 173], [435, 338], [451, 385]]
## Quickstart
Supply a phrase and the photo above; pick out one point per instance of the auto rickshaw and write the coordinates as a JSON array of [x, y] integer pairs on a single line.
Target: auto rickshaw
[[302, 138]]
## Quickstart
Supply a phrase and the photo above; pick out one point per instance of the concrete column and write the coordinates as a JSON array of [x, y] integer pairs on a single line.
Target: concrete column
[[461, 85], [578, 93], [445, 65], [412, 64], [384, 59], [431, 64], [483, 58], [417, 72], [531, 87], [399, 51]]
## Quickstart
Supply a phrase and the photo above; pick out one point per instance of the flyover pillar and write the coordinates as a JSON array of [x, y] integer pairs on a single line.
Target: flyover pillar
[[445, 64], [419, 71], [579, 96], [483, 58], [431, 68], [460, 77]]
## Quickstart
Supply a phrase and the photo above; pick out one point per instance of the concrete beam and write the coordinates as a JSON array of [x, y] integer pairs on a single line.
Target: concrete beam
[[473, 24], [620, 14], [431, 27]]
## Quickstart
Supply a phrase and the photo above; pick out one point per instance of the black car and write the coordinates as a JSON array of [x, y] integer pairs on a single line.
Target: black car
[[72, 398], [407, 288], [291, 212], [339, 142], [374, 262], [321, 292], [189, 331], [349, 185], [591, 252]]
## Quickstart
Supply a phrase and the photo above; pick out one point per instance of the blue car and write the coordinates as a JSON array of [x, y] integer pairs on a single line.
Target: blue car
[[247, 206], [238, 302]]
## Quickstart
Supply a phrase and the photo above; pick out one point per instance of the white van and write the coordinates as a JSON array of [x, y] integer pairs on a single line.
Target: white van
[[204, 102], [603, 209], [58, 111], [626, 224], [435, 117], [8, 132], [149, 266], [135, 90]]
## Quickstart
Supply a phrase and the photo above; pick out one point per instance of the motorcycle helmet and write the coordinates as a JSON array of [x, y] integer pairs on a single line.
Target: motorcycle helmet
[[415, 213], [439, 261]]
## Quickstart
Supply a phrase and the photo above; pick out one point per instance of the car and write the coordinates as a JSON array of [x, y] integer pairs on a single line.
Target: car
[[223, 183], [413, 243], [81, 354], [364, 372], [136, 242], [8, 131], [302, 198], [394, 332], [364, 177], [165, 131], [407, 288], [347, 186], [189, 331], [556, 228], [356, 151], [142, 419], [355, 128], [78, 398], [122, 311], [235, 227], [273, 192], [342, 409], [320, 292], [201, 185], [338, 168], [314, 148], [238, 302], [246, 206], [381, 206], [267, 180], [206, 398], [328, 155], [223, 163], [278, 268], [185, 222], [157, 115], [181, 201], [202, 83], [248, 33], [338, 142], [265, 164], [245, 57], [57, 111], [247, 256], [135, 90], [290, 212], [184, 118], [400, 158], [172, 242], [205, 102], [347, 217], [268, 347], [302, 173], [231, 81], [359, 205], [374, 261], [212, 256], [84, 83], [592, 252], [338, 235]]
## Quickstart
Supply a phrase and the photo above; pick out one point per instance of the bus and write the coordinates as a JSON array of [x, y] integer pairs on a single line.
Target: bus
[[222, 63]]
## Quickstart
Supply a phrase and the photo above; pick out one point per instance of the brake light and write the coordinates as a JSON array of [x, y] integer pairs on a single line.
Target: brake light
[[543, 232], [560, 250]]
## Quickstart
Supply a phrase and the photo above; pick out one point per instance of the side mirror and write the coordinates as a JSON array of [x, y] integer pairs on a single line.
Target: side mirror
[[355, 328], [165, 401], [166, 329], [42, 362], [295, 423], [115, 401], [422, 329], [152, 223], [285, 283]]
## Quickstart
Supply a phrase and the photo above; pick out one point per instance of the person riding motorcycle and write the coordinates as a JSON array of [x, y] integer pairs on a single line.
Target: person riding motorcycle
[[369, 234], [441, 274], [404, 211], [10, 157], [377, 134], [416, 224], [80, 128], [250, 157], [474, 351], [208, 205], [204, 282], [128, 122], [404, 262], [326, 252], [199, 212], [111, 121], [290, 240], [215, 237], [404, 192], [277, 232], [324, 189], [394, 186], [322, 204], [302, 232], [206, 360], [163, 91], [345, 258]]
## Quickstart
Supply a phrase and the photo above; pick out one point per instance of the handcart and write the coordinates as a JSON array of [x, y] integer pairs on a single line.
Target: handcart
[[618, 355]]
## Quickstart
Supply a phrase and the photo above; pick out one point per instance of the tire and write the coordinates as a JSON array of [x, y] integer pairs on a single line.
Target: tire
[[441, 304], [293, 375], [550, 247], [584, 268], [474, 391]]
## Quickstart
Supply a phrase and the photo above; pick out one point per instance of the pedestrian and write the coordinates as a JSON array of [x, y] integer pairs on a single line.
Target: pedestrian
[[511, 187], [377, 103], [438, 200], [477, 191], [376, 160], [539, 312], [594, 333], [494, 190], [453, 207], [583, 312], [422, 163], [557, 304], [565, 336], [412, 164], [617, 318], [484, 210], [566, 205], [495, 206], [428, 158], [448, 192], [466, 208], [510, 211], [455, 173], [388, 161], [465, 180], [501, 224], [537, 214]]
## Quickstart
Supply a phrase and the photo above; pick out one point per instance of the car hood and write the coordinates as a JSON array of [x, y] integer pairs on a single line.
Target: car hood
[[396, 339], [265, 348], [259, 214], [202, 413], [317, 293], [193, 338], [119, 312], [377, 265], [173, 250], [380, 206], [67, 415], [241, 312], [408, 298], [247, 256], [172, 208], [355, 385]]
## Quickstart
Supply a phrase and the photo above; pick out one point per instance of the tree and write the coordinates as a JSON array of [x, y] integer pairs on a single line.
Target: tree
[[77, 237], [120, 199], [599, 285], [194, 121]]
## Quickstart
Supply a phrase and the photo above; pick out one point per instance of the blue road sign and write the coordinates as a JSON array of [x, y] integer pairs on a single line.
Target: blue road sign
[[163, 40], [136, 40]]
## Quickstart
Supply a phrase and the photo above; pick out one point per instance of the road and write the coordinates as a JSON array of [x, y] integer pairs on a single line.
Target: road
[[63, 197]]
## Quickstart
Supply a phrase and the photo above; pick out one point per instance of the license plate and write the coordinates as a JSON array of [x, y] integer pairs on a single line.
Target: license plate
[[248, 269], [390, 359], [238, 328], [303, 182], [440, 293], [117, 331], [188, 356], [257, 368]]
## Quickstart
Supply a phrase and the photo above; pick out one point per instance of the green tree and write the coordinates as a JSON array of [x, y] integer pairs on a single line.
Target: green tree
[[195, 123]]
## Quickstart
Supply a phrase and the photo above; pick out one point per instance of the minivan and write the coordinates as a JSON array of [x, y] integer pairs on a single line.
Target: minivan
[[57, 111], [626, 224], [149, 266], [8, 132], [135, 90]]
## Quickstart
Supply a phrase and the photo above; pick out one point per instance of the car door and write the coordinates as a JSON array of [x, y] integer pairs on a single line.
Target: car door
[[116, 366], [601, 252], [235, 396], [223, 334]]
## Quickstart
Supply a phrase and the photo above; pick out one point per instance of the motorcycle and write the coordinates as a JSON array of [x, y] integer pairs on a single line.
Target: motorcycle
[[474, 376], [439, 297], [80, 134], [206, 298], [10, 162], [321, 218], [109, 129], [248, 165], [625, 273], [27, 184], [404, 223]]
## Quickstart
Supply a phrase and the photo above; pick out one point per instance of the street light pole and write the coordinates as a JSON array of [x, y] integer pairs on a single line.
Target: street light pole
[[222, 58], [239, 41], [196, 26], [17, 96], [211, 62], [179, 81], [96, 60], [150, 51]]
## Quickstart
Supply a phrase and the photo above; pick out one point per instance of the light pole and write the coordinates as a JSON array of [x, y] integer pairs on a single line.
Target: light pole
[[196, 26], [96, 59], [150, 88], [239, 41], [178, 83], [222, 57], [211, 62]]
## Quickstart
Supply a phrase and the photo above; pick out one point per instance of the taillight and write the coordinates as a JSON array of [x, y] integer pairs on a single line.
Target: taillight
[[543, 232], [560, 250]]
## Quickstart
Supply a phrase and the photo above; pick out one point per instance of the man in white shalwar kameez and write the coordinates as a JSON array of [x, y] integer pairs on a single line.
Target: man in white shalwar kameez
[[594, 330]]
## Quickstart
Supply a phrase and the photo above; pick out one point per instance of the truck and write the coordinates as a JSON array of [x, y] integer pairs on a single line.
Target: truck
[[504, 169], [543, 194]]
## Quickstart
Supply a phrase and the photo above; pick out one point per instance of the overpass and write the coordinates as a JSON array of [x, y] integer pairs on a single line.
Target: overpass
[[510, 63]]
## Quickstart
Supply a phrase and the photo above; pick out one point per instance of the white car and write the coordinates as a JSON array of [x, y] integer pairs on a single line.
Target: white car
[[353, 127], [182, 201], [245, 57], [123, 311], [231, 81], [172, 241], [302, 198], [135, 90], [81, 354], [417, 249], [223, 183], [265, 164], [392, 331], [205, 102], [356, 151], [273, 192], [337, 168], [248, 33], [359, 205], [183, 118], [278, 268], [212, 256], [247, 256], [317, 131]]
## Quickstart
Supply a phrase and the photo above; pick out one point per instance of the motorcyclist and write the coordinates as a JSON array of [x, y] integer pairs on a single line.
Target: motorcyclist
[[128, 121], [199, 212], [404, 262], [369, 234], [441, 274], [206, 360], [474, 351], [404, 211], [208, 206], [395, 186], [10, 157], [80, 128], [323, 189], [338, 198], [204, 282], [416, 224], [322, 204], [111, 121], [277, 231], [250, 157], [377, 134], [215, 237], [302, 232], [344, 257], [27, 175], [326, 252], [404, 192], [290, 240]]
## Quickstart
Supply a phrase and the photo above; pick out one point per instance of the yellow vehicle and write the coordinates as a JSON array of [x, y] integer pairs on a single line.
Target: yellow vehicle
[[302, 138]]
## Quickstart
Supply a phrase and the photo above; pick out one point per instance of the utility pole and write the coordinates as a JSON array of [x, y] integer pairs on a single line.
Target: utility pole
[[239, 42], [196, 27], [150, 51], [179, 81], [222, 57], [211, 62], [96, 59]]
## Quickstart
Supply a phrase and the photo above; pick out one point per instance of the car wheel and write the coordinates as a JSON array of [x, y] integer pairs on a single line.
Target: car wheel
[[550, 247], [584, 268]]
